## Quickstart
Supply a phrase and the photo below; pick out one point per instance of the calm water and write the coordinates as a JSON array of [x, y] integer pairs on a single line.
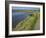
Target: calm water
[[18, 17]]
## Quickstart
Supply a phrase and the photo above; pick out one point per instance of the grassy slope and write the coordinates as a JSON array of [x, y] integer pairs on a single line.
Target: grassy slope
[[28, 23]]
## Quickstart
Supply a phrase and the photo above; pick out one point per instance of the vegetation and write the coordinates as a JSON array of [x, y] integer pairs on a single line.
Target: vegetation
[[23, 10], [28, 23]]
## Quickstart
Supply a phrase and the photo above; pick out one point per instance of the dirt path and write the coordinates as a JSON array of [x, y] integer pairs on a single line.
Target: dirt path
[[37, 26]]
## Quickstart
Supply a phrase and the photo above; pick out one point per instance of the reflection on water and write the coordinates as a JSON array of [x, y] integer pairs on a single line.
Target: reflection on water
[[18, 17]]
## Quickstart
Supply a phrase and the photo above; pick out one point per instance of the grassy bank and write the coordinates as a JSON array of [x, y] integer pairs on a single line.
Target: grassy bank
[[28, 23]]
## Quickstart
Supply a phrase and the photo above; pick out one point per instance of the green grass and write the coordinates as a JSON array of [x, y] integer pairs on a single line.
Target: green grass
[[28, 23], [23, 10]]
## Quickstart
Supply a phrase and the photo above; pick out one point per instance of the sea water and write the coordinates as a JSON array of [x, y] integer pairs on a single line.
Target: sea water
[[18, 17]]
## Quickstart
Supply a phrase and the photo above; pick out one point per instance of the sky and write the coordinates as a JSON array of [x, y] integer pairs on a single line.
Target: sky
[[25, 8]]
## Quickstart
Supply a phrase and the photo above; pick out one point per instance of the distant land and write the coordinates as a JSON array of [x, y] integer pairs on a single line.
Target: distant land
[[31, 11]]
